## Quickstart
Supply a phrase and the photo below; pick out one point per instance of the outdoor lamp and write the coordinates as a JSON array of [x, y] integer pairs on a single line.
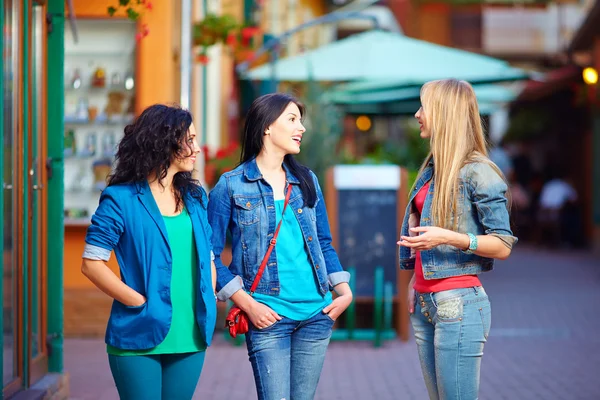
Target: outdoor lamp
[[590, 76], [363, 123]]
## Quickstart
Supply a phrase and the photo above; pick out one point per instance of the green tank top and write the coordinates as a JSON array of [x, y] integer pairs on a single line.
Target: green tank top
[[184, 333]]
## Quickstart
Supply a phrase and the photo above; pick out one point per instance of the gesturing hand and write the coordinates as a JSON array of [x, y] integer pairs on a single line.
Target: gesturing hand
[[431, 237]]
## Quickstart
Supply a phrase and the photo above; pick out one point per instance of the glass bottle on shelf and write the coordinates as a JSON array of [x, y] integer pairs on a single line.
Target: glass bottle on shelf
[[108, 145], [90, 145], [70, 144], [115, 80], [76, 79], [82, 109]]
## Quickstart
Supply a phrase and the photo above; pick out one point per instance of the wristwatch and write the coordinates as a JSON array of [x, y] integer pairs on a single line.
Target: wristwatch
[[472, 244]]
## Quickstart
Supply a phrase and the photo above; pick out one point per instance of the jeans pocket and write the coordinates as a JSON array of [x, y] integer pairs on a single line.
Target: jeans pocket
[[268, 328], [486, 319], [329, 318], [450, 309]]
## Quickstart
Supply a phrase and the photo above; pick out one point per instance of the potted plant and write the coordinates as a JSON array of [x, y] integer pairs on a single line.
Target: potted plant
[[224, 159]]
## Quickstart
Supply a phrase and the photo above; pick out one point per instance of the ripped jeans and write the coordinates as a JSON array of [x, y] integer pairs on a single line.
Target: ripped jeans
[[451, 328], [287, 357]]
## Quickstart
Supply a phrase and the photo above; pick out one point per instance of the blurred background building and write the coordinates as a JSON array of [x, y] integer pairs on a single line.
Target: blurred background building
[[76, 72]]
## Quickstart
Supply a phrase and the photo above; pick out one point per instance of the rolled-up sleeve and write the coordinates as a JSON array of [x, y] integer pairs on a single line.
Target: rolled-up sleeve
[[219, 218], [106, 228], [335, 271], [489, 197]]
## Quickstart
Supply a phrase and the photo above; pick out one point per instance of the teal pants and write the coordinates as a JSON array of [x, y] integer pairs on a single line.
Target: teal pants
[[158, 376]]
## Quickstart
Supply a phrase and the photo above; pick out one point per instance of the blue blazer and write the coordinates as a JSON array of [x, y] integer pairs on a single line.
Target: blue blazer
[[129, 222]]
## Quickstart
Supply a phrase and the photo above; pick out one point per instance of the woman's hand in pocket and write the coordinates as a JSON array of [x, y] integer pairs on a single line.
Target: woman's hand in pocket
[[261, 316], [140, 301], [341, 302]]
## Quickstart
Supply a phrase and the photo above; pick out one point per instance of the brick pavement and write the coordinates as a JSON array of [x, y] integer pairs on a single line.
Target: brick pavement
[[544, 344]]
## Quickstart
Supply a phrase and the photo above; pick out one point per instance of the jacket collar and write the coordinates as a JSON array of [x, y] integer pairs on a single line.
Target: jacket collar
[[252, 173], [145, 196]]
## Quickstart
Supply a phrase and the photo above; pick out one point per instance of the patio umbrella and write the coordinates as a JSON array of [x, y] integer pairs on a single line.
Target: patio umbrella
[[385, 56]]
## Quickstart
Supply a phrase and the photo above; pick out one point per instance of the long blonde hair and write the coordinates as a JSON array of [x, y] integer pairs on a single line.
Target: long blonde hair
[[452, 117]]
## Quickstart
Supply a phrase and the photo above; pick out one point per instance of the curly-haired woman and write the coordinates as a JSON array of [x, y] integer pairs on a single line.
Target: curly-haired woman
[[153, 215]]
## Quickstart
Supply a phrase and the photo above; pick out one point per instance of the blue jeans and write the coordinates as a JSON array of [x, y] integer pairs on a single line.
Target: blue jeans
[[157, 376], [287, 357], [451, 328]]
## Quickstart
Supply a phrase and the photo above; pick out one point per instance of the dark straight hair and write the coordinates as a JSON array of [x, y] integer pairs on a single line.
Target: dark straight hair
[[263, 112]]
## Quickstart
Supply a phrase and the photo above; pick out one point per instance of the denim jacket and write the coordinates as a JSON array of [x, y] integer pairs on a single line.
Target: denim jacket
[[481, 210], [242, 202]]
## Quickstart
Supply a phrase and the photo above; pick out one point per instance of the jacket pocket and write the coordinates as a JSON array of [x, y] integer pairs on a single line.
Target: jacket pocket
[[248, 209]]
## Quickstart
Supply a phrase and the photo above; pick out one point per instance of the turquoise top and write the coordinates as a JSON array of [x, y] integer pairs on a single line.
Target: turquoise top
[[299, 297], [184, 333]]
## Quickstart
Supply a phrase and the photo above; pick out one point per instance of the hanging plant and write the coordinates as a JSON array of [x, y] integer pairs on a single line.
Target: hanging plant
[[133, 9], [225, 29], [243, 42], [211, 30]]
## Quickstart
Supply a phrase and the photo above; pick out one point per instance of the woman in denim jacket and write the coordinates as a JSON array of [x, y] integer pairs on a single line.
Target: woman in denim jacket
[[456, 224], [292, 311], [153, 215]]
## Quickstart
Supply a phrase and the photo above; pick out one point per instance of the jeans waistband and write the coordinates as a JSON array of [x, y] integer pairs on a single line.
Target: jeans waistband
[[454, 292]]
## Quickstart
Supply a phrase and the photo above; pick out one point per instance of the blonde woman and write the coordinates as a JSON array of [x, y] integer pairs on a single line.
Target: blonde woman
[[456, 224]]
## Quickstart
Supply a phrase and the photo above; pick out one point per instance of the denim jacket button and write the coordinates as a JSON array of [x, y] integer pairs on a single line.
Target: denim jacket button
[[317, 266], [299, 211], [310, 238]]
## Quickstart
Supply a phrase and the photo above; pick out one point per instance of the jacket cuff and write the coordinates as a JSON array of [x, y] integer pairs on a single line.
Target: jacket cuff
[[335, 278], [92, 252], [508, 240], [228, 290]]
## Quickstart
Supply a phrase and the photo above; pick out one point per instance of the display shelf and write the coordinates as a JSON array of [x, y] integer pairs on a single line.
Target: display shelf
[[95, 115]]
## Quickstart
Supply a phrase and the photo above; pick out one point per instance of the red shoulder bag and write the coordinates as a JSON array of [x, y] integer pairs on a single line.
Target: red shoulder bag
[[237, 321]]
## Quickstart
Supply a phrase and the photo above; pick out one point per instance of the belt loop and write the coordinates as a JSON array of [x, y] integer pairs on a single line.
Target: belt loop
[[476, 291]]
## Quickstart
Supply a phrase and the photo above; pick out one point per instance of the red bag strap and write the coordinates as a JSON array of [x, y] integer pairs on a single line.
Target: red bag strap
[[263, 264]]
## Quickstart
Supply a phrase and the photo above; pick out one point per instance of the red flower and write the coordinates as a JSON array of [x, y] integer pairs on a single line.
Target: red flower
[[221, 153], [149, 6], [202, 59], [138, 36], [248, 32], [232, 40]]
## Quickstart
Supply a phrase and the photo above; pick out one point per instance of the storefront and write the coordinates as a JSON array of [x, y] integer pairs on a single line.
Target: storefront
[[585, 51], [109, 78], [31, 196]]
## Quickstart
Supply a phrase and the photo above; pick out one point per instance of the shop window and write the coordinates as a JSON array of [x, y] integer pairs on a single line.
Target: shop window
[[466, 28]]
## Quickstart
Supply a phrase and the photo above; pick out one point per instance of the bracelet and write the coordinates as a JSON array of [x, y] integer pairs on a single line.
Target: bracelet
[[472, 244]]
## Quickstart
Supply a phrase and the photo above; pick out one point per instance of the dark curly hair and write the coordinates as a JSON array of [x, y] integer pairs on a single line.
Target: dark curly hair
[[150, 145], [263, 112]]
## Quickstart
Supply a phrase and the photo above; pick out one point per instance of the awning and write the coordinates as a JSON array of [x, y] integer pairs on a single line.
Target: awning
[[383, 56], [552, 82], [486, 93], [405, 108]]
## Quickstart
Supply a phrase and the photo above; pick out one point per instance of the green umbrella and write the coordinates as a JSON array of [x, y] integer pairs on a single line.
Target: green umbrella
[[385, 56]]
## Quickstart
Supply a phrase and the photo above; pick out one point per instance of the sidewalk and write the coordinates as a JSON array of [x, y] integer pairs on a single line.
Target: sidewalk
[[544, 344]]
